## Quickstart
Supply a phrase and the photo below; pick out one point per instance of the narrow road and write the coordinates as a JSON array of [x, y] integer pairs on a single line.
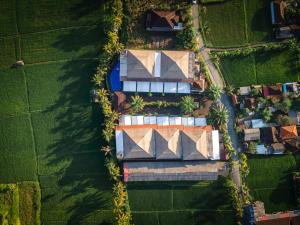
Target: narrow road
[[225, 100]]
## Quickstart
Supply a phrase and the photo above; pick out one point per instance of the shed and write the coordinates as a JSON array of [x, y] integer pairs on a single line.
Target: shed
[[278, 148], [269, 135], [258, 123], [252, 134], [245, 90], [261, 149]]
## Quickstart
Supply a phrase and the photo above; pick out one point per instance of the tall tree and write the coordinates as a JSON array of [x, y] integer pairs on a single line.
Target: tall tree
[[214, 92]]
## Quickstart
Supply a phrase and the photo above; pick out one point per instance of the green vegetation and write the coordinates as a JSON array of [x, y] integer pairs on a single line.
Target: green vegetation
[[187, 104], [20, 203], [236, 23], [271, 181], [185, 201], [261, 67], [49, 130]]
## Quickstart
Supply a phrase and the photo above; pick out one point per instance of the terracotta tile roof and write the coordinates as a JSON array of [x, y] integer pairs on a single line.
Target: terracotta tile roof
[[163, 19], [288, 132]]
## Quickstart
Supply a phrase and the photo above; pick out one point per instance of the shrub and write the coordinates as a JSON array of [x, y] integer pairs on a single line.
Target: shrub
[[186, 39], [187, 104]]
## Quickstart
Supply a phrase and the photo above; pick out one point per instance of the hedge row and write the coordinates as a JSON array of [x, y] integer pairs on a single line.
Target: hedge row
[[110, 50]]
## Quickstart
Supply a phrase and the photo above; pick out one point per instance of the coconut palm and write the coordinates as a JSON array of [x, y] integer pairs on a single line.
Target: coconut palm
[[187, 104], [214, 92], [229, 90], [137, 103], [219, 114], [106, 150]]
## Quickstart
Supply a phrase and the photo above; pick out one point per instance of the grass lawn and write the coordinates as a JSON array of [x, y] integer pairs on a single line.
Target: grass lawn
[[236, 22], [260, 68], [270, 180], [174, 202]]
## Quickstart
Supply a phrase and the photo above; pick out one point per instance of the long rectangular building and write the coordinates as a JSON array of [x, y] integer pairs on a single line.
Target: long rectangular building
[[175, 142]]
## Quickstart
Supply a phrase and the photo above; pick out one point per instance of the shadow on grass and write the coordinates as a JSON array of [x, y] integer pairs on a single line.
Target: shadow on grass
[[83, 187]]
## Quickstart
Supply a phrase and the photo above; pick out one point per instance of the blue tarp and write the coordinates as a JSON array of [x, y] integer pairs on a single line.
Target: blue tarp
[[114, 78]]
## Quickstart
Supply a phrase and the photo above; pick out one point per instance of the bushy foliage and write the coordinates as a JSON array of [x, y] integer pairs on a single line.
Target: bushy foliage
[[187, 104], [186, 39]]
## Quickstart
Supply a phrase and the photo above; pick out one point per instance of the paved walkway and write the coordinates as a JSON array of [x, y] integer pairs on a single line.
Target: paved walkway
[[217, 80]]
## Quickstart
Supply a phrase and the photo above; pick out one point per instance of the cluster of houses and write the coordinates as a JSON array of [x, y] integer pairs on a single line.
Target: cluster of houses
[[285, 26], [150, 143], [268, 137], [163, 147], [254, 214]]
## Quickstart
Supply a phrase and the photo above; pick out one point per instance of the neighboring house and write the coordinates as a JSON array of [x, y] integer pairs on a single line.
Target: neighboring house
[[254, 214], [261, 150], [288, 132], [157, 71], [278, 148], [167, 142], [245, 90], [272, 91], [269, 135], [163, 20], [258, 123], [252, 134]]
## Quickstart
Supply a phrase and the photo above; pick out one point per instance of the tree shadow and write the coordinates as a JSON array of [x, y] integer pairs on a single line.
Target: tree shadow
[[75, 155]]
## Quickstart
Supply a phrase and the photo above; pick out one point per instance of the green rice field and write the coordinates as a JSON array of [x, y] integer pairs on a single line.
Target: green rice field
[[270, 181], [235, 23], [50, 132], [174, 202], [267, 67]]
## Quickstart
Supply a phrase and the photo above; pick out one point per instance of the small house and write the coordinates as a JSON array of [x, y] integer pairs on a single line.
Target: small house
[[272, 91], [261, 149], [252, 134], [163, 21], [288, 132], [269, 135], [245, 90], [278, 148], [258, 123]]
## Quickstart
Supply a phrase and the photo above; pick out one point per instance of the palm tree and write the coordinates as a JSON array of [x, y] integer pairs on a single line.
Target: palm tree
[[106, 150], [187, 104], [114, 115], [214, 92], [137, 103], [219, 114], [229, 90]]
